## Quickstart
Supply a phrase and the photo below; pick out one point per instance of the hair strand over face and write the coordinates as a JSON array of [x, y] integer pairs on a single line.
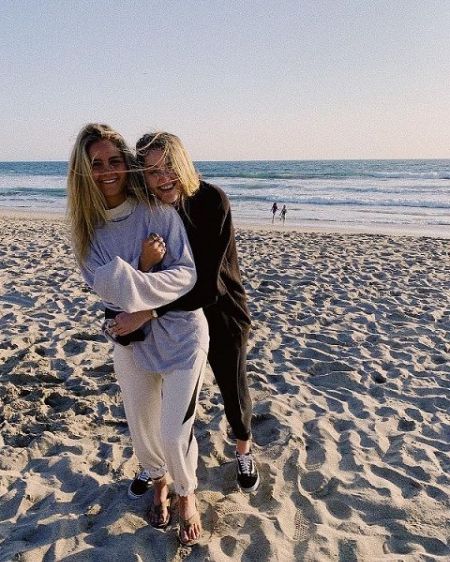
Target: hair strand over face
[[175, 155], [86, 205]]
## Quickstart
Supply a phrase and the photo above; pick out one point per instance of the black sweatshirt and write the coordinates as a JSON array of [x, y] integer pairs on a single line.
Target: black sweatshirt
[[218, 290]]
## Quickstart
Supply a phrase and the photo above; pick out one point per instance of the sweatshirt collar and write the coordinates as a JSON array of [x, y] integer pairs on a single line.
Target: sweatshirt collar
[[121, 212]]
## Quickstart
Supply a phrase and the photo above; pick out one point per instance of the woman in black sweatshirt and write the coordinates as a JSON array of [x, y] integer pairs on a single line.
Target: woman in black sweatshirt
[[205, 210]]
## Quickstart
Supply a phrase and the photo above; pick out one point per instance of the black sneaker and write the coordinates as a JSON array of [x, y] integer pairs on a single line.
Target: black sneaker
[[246, 472], [140, 485]]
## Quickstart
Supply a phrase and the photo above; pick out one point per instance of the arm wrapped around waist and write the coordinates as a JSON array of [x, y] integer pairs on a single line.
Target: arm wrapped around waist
[[137, 335]]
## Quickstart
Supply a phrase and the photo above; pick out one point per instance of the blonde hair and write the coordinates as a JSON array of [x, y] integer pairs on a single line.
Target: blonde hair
[[86, 204], [175, 155]]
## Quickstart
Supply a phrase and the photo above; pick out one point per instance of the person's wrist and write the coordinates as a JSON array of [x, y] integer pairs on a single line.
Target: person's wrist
[[149, 315]]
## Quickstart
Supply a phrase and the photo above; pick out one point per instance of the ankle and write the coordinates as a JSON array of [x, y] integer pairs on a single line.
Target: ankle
[[243, 447], [161, 489], [187, 504]]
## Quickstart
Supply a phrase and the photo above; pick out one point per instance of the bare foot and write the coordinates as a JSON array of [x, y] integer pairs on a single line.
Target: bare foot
[[190, 523], [159, 512]]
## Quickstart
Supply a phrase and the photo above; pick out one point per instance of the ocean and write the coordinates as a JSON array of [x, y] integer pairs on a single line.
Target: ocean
[[406, 195]]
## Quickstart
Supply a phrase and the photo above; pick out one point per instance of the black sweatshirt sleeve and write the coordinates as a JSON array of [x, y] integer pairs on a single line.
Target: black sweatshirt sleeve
[[210, 230]]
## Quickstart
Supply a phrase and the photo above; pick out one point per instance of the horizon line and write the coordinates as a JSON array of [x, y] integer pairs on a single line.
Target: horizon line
[[269, 160]]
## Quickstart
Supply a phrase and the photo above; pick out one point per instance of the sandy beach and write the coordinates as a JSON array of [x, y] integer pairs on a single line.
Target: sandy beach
[[349, 365]]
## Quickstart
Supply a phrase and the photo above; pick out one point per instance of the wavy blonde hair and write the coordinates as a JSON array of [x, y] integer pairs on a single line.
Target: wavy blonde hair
[[175, 155], [86, 204]]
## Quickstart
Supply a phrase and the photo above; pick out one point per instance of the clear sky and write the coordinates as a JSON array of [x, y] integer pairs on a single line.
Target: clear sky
[[249, 79]]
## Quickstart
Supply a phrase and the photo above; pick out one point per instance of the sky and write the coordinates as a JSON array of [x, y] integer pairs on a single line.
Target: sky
[[235, 80]]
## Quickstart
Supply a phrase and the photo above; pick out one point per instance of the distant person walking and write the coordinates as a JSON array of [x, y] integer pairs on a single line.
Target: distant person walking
[[274, 210], [283, 213]]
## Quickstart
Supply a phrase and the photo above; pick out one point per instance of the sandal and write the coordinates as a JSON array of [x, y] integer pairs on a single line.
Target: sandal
[[156, 514], [186, 524], [156, 511]]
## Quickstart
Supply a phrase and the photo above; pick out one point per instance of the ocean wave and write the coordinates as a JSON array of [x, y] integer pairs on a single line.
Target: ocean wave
[[329, 170], [326, 176], [417, 192], [44, 168], [337, 201], [302, 170], [34, 192]]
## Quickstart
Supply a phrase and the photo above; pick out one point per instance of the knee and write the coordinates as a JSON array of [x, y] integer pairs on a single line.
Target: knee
[[172, 440]]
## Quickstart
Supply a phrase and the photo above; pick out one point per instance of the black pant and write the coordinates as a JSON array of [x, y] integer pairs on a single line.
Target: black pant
[[227, 357]]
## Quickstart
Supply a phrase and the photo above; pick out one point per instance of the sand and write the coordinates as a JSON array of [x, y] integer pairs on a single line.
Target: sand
[[349, 365]]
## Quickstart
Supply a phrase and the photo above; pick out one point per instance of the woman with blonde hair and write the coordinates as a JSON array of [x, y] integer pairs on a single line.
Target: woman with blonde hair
[[160, 373], [205, 210]]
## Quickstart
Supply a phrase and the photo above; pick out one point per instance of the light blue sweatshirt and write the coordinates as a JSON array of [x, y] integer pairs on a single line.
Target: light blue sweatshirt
[[111, 270]]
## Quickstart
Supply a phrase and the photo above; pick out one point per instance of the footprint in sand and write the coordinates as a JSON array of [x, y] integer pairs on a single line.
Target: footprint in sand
[[339, 509], [397, 545], [229, 545], [18, 299], [266, 429], [302, 527], [59, 402], [315, 453], [74, 347], [407, 486], [406, 425], [86, 336], [379, 378], [312, 481], [42, 316], [414, 413], [317, 485]]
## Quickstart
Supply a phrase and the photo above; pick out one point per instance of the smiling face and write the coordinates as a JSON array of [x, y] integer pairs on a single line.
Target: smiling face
[[109, 171], [160, 179]]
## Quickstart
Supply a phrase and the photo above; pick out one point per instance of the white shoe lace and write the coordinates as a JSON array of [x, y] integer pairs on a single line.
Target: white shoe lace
[[144, 476], [245, 463]]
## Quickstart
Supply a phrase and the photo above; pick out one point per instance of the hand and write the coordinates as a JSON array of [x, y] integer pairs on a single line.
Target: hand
[[127, 322], [152, 252]]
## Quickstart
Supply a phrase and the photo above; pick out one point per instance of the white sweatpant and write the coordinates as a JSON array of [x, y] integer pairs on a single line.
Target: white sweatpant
[[160, 411]]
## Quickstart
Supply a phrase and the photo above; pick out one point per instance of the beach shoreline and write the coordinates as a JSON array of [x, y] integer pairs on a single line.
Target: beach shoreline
[[325, 228], [349, 367]]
